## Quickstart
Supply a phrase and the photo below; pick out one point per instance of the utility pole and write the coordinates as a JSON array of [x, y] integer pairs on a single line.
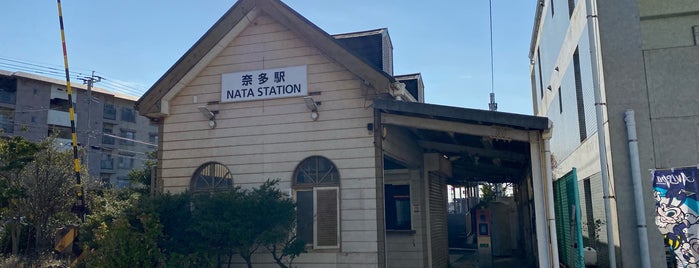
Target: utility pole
[[90, 81]]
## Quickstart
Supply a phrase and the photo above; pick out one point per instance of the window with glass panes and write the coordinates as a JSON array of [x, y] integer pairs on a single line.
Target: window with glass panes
[[316, 184], [211, 177]]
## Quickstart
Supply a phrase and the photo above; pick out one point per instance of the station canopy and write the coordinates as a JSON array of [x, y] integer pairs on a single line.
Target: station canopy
[[486, 146]]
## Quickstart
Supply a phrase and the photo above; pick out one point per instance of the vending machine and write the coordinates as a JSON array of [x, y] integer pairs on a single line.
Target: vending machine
[[484, 230]]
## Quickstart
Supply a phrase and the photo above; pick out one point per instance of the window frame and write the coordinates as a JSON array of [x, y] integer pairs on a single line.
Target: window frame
[[127, 114], [108, 129], [62, 132], [314, 183], [213, 188], [109, 111], [126, 162], [153, 137], [106, 157], [314, 186], [58, 104], [560, 101], [298, 215], [541, 79], [7, 120], [393, 227], [125, 135]]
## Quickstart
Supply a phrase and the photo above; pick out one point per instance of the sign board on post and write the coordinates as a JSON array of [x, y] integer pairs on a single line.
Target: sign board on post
[[264, 84]]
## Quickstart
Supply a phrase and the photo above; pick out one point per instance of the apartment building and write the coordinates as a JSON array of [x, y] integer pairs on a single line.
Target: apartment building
[[639, 56], [113, 136]]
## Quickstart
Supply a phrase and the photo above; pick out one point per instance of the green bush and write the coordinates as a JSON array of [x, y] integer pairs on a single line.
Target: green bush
[[181, 230]]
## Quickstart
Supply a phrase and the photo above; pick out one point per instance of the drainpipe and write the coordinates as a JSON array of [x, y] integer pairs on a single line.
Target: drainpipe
[[542, 239], [601, 135], [550, 206], [644, 252]]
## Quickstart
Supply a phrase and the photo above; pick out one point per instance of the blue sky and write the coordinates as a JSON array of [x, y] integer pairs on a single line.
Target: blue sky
[[133, 42]]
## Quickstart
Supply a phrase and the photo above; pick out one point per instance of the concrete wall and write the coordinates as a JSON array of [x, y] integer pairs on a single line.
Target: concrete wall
[[651, 62], [674, 114], [258, 140], [33, 102]]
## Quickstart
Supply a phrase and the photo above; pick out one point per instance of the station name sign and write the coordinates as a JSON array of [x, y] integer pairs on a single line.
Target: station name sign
[[264, 84]]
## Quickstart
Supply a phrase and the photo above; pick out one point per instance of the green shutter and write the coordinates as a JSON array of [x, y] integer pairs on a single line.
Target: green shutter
[[568, 222]]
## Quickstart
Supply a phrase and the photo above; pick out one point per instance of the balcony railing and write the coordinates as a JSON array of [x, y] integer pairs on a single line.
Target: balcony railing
[[60, 118]]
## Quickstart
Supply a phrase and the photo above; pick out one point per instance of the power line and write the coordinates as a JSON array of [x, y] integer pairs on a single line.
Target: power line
[[127, 139], [92, 133], [37, 65], [113, 85], [54, 72], [33, 70], [122, 84]]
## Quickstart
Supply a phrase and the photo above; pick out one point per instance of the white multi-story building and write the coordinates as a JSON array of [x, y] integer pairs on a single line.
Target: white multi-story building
[[638, 55]]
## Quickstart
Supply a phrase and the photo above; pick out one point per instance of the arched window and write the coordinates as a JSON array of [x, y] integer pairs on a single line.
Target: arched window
[[210, 177], [316, 183], [316, 171]]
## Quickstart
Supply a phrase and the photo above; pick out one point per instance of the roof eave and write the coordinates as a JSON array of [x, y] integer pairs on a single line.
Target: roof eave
[[150, 103], [520, 121], [535, 30], [334, 49]]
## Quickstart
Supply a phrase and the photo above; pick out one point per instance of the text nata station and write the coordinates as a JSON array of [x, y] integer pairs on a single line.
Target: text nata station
[[264, 84]]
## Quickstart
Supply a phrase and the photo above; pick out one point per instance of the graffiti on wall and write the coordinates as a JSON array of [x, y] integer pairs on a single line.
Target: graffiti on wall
[[676, 194]]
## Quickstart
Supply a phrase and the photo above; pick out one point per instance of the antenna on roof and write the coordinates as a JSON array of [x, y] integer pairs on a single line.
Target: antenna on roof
[[493, 106]]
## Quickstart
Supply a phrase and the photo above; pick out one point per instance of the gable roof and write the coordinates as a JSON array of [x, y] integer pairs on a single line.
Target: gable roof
[[413, 84], [374, 46], [154, 103]]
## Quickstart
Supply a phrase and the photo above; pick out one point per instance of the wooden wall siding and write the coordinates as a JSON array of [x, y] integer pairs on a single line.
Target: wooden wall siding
[[259, 140], [261, 116], [403, 249]]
